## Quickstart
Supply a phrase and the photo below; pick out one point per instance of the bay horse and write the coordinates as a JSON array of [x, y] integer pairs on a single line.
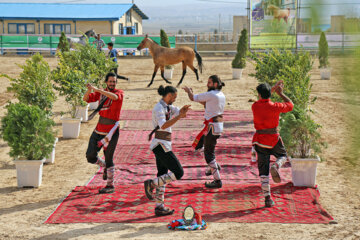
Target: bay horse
[[163, 56]]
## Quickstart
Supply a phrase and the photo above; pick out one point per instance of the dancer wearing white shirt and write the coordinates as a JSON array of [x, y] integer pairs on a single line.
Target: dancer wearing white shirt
[[214, 102], [164, 115]]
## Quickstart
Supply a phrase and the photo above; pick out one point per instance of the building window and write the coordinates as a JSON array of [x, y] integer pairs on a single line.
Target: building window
[[21, 28], [136, 28], [121, 28], [57, 28], [128, 16]]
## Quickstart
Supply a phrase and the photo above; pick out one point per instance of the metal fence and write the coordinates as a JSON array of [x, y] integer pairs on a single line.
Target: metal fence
[[25, 44]]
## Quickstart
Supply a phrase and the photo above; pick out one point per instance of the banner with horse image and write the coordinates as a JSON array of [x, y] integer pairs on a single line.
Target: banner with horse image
[[273, 24]]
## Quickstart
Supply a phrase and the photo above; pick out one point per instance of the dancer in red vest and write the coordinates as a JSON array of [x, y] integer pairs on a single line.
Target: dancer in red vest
[[214, 102], [111, 100], [267, 140]]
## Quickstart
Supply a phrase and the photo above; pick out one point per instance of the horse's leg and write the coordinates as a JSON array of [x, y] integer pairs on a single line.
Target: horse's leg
[[191, 66], [183, 73], [153, 76], [162, 74]]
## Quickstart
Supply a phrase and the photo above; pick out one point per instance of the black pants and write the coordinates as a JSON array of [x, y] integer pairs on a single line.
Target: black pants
[[210, 141], [263, 156], [167, 161], [93, 149], [119, 76]]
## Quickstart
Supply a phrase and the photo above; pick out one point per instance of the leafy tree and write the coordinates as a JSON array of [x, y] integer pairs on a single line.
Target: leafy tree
[[323, 51], [28, 131], [70, 82], [77, 68], [34, 87], [63, 43], [242, 47]]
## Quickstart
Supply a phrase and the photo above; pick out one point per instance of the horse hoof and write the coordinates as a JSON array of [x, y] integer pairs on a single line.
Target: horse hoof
[[149, 85]]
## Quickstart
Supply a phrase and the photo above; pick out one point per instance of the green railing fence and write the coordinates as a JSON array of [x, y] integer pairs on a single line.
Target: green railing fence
[[23, 44]]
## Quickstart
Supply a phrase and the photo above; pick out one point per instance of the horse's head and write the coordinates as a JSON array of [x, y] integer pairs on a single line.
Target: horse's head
[[143, 43], [91, 33]]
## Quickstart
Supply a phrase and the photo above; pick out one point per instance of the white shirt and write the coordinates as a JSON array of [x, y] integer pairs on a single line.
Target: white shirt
[[215, 104], [158, 119]]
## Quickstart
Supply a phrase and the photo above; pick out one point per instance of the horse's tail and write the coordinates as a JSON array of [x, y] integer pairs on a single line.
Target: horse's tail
[[199, 60]]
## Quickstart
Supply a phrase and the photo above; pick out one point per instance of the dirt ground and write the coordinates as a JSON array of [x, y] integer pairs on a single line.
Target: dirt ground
[[23, 211]]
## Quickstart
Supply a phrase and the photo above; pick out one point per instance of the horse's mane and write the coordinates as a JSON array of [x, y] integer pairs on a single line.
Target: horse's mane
[[153, 41]]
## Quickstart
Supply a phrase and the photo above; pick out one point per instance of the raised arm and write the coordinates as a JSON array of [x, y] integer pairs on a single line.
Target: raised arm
[[182, 114], [110, 95], [190, 93], [279, 90]]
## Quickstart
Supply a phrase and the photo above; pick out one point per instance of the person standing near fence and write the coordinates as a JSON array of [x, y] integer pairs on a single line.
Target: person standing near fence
[[111, 100], [113, 55], [214, 102], [99, 43], [267, 140]]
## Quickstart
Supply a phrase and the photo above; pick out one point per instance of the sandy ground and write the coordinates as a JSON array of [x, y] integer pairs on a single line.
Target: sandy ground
[[22, 211]]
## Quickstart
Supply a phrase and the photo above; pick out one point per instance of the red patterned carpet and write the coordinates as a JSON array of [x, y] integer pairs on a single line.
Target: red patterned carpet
[[232, 203], [240, 199]]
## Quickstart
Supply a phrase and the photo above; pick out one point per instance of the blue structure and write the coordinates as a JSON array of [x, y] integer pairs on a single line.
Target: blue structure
[[52, 18]]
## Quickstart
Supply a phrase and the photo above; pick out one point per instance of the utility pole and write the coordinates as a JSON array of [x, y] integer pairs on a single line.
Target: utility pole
[[219, 21]]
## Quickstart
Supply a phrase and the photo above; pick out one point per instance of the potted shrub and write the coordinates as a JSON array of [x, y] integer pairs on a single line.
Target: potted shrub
[[70, 83], [92, 63], [34, 87], [325, 71], [164, 41], [239, 62], [28, 132], [299, 132], [64, 45]]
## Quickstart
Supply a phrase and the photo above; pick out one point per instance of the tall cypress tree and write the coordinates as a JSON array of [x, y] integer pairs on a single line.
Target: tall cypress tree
[[242, 47], [63, 43], [323, 51]]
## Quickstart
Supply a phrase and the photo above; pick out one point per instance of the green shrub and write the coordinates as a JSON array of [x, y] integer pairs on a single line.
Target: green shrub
[[299, 132], [28, 131], [323, 51], [71, 83], [242, 47], [293, 69], [34, 87], [64, 45], [77, 68], [94, 64], [164, 41]]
